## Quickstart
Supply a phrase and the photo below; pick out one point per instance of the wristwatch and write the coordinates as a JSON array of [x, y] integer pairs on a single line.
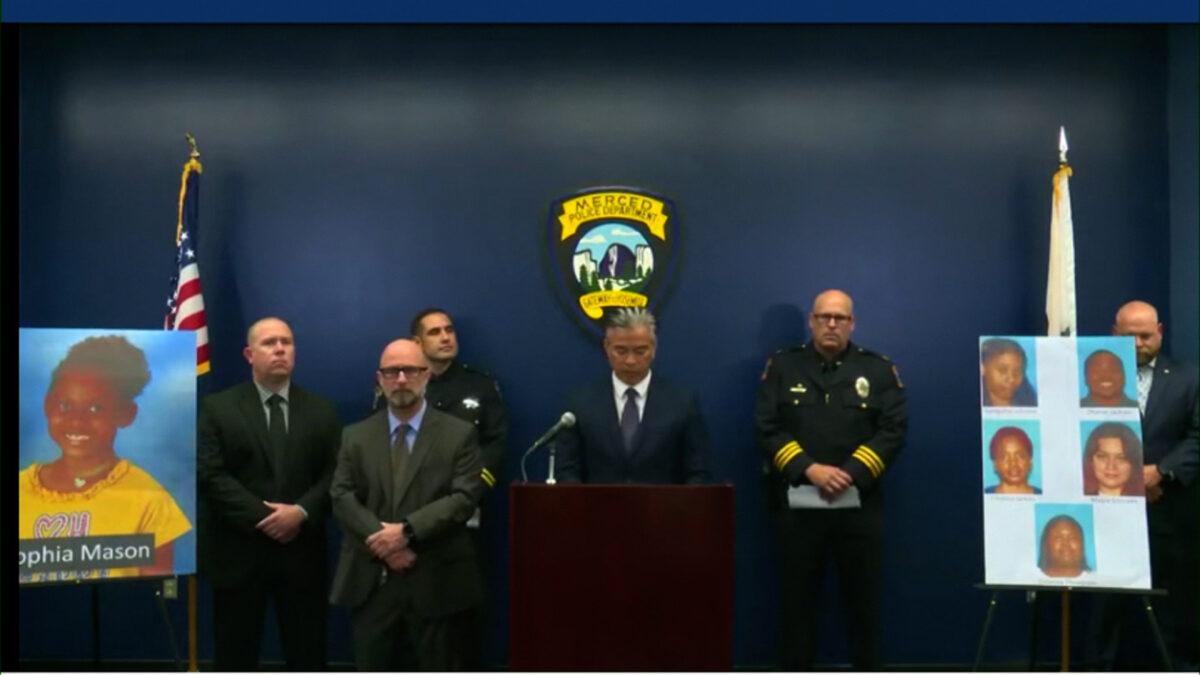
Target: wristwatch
[[408, 532]]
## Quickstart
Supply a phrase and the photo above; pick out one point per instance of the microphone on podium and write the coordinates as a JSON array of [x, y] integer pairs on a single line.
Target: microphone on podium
[[565, 422]]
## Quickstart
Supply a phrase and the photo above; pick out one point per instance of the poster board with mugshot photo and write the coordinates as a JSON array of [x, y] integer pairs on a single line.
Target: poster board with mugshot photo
[[1063, 493], [107, 483]]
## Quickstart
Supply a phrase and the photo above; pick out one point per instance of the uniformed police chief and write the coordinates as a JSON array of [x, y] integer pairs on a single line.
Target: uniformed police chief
[[831, 418]]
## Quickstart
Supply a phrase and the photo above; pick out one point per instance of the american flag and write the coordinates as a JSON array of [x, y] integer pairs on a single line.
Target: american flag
[[185, 304]]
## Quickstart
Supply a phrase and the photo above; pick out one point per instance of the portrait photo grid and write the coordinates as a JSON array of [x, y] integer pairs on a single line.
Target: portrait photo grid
[[1063, 496]]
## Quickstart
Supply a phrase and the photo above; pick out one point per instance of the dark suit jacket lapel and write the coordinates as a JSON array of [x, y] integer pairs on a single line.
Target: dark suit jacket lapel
[[651, 411], [427, 437], [1158, 387], [610, 420], [256, 419], [377, 459]]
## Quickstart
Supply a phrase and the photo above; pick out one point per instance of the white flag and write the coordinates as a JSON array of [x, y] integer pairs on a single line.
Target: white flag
[[1060, 281]]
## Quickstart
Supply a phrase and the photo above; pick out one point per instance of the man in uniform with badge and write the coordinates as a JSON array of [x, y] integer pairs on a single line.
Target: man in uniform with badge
[[831, 417], [472, 396]]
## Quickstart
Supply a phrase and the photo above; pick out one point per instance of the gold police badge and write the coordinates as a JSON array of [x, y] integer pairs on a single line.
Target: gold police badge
[[863, 387]]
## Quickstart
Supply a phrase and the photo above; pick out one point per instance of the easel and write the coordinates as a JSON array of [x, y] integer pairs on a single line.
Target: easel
[[1032, 592], [162, 592]]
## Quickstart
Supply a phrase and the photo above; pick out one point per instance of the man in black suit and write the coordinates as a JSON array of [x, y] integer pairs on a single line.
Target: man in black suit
[[407, 480], [266, 453], [1167, 396], [633, 426]]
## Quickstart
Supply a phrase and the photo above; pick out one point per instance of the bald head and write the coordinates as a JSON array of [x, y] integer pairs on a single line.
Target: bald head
[[1139, 320], [270, 352], [404, 349], [402, 376], [267, 323], [831, 322], [835, 296]]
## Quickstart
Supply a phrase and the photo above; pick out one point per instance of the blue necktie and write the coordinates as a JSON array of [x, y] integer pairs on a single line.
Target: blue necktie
[[400, 452], [629, 418]]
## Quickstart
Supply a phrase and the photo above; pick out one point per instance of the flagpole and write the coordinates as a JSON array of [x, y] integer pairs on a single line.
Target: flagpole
[[1060, 277], [193, 584]]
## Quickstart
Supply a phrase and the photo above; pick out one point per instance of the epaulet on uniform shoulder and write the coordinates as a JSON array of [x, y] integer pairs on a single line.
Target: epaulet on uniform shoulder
[[867, 352], [793, 348], [477, 371]]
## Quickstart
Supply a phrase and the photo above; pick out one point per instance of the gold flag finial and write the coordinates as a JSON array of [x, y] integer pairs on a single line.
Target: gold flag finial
[[195, 152]]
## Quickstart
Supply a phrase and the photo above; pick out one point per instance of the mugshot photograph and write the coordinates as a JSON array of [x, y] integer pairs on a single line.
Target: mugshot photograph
[[1002, 368], [1061, 552], [1112, 462], [1104, 373], [1011, 452]]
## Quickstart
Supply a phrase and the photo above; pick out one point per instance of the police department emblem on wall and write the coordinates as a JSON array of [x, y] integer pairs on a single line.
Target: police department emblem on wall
[[612, 247]]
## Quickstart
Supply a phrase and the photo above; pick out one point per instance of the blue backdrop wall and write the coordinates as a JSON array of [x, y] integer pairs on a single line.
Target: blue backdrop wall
[[356, 174]]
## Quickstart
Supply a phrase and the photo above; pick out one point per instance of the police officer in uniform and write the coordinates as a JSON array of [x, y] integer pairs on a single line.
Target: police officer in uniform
[[831, 417], [473, 396]]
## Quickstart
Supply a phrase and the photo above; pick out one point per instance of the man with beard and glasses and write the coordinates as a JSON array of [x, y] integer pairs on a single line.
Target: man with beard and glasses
[[407, 480]]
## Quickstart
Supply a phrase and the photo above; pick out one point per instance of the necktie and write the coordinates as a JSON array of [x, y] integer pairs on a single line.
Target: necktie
[[629, 418], [277, 430], [399, 458], [1145, 375]]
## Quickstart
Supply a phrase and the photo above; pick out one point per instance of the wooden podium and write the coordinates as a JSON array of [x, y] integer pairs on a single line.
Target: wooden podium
[[621, 577]]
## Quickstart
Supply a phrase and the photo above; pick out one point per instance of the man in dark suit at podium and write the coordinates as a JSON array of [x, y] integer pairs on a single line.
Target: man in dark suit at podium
[[633, 426], [1167, 396], [265, 457]]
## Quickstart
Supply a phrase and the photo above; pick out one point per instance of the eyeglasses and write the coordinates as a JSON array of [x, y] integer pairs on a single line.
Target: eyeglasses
[[839, 319], [409, 372]]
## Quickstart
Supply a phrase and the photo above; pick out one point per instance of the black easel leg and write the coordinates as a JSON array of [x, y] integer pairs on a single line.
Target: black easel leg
[[162, 605], [987, 625], [1034, 626], [1158, 638], [96, 626]]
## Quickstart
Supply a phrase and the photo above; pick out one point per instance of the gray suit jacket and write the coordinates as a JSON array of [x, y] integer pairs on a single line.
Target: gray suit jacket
[[437, 495]]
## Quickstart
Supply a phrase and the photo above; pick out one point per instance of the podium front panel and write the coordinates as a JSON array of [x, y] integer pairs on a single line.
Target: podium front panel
[[621, 577]]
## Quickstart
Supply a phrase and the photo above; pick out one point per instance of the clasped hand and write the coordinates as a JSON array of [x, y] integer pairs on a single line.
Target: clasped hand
[[829, 479], [284, 522], [390, 545]]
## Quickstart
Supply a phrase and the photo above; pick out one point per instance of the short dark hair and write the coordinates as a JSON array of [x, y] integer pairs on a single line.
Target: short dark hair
[[994, 347], [1087, 363], [1135, 485], [1061, 518], [111, 356], [414, 326], [1016, 433]]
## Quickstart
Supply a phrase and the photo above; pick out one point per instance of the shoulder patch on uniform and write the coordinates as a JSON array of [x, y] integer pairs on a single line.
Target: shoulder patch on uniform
[[477, 371], [867, 352], [792, 348]]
